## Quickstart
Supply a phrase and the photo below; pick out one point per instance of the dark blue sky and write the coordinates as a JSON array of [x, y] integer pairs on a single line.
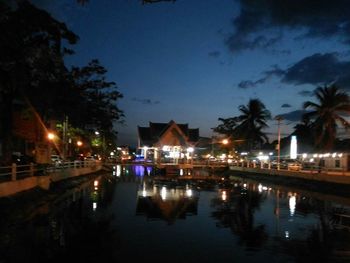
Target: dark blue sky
[[194, 61]]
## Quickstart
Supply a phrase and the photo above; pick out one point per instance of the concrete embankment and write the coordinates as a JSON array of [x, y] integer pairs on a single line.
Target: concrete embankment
[[330, 177], [16, 186]]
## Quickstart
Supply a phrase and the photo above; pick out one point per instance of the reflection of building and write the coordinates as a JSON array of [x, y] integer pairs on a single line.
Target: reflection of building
[[168, 142], [168, 204]]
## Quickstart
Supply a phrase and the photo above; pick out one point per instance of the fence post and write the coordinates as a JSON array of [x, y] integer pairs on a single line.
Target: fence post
[[31, 169], [13, 172]]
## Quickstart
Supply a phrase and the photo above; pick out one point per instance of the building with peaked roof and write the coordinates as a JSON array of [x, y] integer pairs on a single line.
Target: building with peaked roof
[[167, 142]]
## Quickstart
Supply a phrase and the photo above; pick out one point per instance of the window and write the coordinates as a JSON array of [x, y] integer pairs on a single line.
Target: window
[[337, 163]]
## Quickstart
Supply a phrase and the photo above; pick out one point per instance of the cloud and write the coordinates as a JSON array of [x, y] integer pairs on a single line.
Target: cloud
[[306, 93], [316, 19], [293, 115], [214, 54], [267, 75], [317, 69], [146, 101], [286, 105]]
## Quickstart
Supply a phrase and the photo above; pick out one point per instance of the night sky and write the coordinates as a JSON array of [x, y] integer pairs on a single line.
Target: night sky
[[194, 61]]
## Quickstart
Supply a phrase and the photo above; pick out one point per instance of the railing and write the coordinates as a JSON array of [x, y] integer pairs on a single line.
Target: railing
[[15, 172]]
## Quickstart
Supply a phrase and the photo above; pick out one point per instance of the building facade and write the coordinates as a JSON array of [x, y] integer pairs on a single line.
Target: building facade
[[167, 142]]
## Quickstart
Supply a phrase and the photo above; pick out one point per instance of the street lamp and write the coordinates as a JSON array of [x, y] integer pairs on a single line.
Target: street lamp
[[51, 136], [79, 143]]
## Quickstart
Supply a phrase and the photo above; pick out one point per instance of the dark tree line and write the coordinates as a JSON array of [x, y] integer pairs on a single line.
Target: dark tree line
[[33, 46], [317, 128]]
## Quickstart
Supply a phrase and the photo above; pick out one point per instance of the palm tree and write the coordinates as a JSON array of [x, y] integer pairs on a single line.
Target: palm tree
[[252, 121], [332, 105]]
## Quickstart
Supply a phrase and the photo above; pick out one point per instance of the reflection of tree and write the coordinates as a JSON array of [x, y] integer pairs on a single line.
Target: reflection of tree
[[327, 241], [237, 213]]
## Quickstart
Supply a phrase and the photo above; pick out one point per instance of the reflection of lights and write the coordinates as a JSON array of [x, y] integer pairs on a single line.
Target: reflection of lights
[[223, 196], [139, 170], [149, 170], [292, 204], [189, 192], [262, 188], [286, 234], [163, 193], [181, 172], [119, 170], [94, 206], [144, 193]]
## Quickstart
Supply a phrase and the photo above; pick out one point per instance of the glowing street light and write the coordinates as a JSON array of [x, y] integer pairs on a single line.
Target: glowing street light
[[225, 141], [79, 143], [50, 136]]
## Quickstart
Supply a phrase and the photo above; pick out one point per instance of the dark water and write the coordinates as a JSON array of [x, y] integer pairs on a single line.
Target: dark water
[[128, 217]]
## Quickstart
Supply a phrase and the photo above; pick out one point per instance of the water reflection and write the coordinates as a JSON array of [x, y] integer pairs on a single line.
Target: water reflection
[[67, 228], [224, 221], [169, 203]]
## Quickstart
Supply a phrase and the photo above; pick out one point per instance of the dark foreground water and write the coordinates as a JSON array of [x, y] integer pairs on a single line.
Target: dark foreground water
[[128, 217]]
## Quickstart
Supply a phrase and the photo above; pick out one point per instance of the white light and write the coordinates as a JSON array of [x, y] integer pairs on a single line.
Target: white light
[[94, 206], [223, 196], [144, 193], [304, 155], [97, 133], [190, 149], [334, 155], [293, 147], [181, 172], [260, 188], [340, 154], [271, 153], [165, 148], [286, 233], [112, 153], [189, 192], [315, 155], [163, 193], [292, 204], [312, 159], [119, 170], [95, 183]]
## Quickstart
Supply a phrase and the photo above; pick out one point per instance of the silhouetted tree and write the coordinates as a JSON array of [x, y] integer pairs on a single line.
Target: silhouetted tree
[[31, 53], [333, 105], [98, 106], [248, 126]]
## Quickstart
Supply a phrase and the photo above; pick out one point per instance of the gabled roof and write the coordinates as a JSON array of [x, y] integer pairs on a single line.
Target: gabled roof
[[151, 135]]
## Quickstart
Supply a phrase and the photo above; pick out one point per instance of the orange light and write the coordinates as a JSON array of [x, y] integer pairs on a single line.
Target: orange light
[[224, 141], [79, 143], [50, 136]]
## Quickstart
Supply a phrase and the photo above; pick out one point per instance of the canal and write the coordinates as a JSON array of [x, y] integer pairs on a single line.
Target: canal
[[129, 216]]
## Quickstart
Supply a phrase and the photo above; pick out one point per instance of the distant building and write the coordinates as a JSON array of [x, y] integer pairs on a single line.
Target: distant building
[[167, 142]]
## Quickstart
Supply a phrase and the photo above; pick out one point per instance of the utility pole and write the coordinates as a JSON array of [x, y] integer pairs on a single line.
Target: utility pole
[[279, 119]]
